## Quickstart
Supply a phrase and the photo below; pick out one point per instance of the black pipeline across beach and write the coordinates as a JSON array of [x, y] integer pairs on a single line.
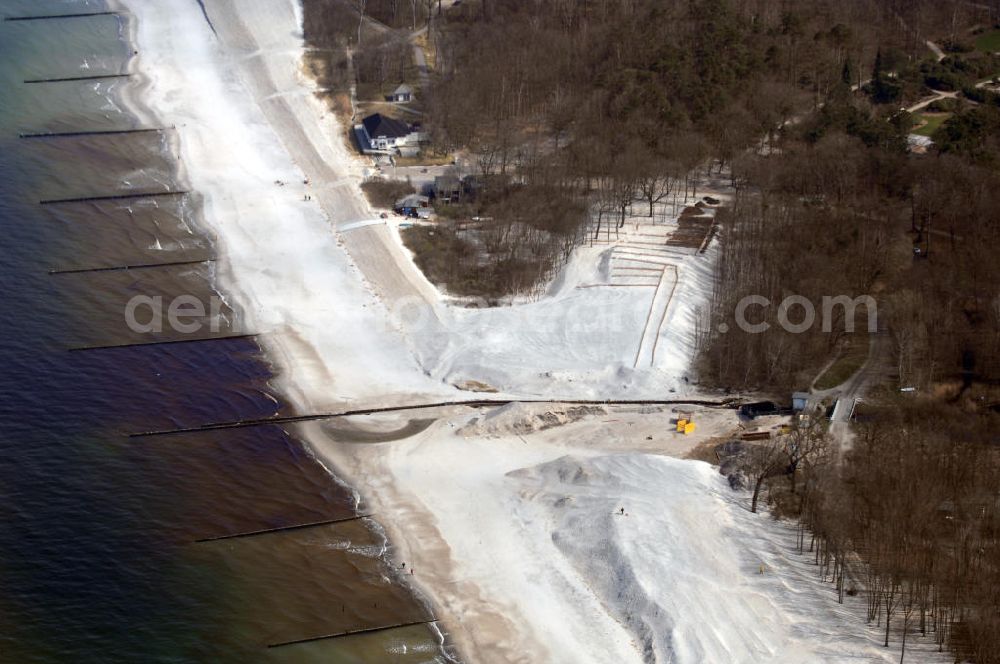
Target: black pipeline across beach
[[112, 197], [135, 266], [49, 17], [353, 632], [471, 403], [96, 77], [104, 132], [297, 526], [164, 342]]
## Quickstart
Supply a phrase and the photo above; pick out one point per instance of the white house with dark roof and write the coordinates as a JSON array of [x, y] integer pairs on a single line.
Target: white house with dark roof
[[380, 133]]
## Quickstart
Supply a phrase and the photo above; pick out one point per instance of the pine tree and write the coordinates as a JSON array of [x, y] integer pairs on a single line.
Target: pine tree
[[883, 89]]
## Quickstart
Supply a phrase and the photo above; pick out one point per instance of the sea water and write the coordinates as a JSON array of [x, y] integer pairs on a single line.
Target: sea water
[[102, 551]]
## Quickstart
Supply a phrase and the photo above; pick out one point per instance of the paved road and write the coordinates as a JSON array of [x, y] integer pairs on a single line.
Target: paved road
[[938, 94], [418, 57], [875, 369], [938, 52], [411, 36]]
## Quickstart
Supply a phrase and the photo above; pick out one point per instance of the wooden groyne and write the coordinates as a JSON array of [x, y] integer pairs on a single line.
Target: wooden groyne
[[66, 79], [77, 134], [138, 266], [282, 529], [166, 342], [353, 632], [49, 17], [471, 403], [113, 197]]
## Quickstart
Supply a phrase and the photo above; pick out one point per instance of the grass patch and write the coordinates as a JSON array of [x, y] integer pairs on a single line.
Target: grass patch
[[931, 123], [988, 42], [426, 158], [430, 53], [847, 364], [448, 260], [462, 267], [385, 193]]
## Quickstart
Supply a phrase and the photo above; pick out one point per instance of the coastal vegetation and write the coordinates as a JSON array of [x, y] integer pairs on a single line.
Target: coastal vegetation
[[505, 241], [385, 193], [574, 115], [909, 518]]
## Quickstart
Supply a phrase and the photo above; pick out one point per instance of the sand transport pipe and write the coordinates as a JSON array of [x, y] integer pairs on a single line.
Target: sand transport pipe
[[67, 79], [471, 403], [77, 134], [49, 17], [282, 529]]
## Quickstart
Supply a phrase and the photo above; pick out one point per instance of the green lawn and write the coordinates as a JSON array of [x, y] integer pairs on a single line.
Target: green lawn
[[846, 365], [988, 42], [426, 159], [933, 122]]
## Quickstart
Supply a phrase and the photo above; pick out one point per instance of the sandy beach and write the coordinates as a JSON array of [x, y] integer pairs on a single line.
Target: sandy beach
[[539, 533]]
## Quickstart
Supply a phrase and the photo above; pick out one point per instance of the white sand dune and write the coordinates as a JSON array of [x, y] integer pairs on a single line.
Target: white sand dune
[[514, 528], [513, 537], [330, 336], [240, 102]]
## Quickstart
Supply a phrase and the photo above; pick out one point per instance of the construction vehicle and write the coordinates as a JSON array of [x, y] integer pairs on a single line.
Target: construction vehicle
[[685, 422]]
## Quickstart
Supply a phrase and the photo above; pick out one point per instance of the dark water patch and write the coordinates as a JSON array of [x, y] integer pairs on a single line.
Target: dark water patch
[[31, 7], [112, 233], [61, 49], [313, 582], [71, 107], [101, 165], [97, 558], [255, 480], [134, 306], [177, 383]]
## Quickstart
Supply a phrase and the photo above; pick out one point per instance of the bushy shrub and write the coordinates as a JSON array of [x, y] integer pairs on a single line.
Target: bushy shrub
[[385, 193]]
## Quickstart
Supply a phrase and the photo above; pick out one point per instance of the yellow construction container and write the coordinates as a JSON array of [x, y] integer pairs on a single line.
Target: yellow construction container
[[689, 428], [680, 425]]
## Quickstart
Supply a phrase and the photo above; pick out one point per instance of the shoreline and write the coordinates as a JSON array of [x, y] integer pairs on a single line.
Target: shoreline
[[291, 356], [515, 545], [281, 351]]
